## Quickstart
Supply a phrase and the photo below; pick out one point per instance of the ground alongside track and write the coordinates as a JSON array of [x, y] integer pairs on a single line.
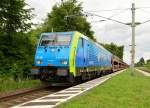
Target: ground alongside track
[[122, 91], [144, 69], [144, 72]]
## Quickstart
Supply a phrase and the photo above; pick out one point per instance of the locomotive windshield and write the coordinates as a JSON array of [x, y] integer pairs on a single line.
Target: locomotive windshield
[[55, 40]]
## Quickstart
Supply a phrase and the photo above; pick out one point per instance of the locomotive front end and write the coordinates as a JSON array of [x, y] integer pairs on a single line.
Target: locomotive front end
[[52, 55]]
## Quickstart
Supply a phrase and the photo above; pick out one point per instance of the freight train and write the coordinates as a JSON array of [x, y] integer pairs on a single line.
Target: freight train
[[71, 57]]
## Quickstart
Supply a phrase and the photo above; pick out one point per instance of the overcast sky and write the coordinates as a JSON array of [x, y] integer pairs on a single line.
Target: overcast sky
[[108, 31]]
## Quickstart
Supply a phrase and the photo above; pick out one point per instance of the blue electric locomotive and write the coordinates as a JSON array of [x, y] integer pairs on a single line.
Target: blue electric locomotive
[[70, 56]]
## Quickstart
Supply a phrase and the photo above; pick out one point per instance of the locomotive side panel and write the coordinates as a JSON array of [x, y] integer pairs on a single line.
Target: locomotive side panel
[[91, 58]]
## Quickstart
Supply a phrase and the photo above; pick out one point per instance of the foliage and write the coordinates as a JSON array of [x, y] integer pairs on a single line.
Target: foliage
[[14, 17], [121, 91], [58, 21], [16, 48], [9, 85], [145, 65], [148, 64], [148, 61], [17, 57], [142, 65], [141, 62], [114, 49], [35, 33]]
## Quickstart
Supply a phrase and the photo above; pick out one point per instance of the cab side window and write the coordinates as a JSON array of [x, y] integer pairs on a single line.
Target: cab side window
[[81, 42]]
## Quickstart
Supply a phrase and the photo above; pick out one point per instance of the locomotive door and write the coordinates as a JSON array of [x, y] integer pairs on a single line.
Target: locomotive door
[[80, 54], [82, 51]]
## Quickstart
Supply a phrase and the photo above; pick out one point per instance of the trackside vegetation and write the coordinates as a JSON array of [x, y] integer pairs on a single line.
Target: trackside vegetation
[[144, 68], [11, 85], [16, 47], [143, 65], [122, 91]]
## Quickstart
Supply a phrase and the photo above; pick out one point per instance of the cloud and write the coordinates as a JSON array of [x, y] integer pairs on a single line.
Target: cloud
[[41, 9], [146, 55]]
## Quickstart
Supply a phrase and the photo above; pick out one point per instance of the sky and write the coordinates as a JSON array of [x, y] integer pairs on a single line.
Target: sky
[[109, 31]]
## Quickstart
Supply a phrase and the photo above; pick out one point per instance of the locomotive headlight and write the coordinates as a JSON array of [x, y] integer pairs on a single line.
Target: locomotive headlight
[[64, 62], [39, 62]]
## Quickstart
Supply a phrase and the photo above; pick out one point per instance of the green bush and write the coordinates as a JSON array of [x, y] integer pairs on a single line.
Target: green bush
[[16, 56]]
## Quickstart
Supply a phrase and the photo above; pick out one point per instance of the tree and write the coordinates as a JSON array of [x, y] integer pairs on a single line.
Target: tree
[[58, 20], [141, 62], [148, 61], [14, 17], [16, 49], [114, 49]]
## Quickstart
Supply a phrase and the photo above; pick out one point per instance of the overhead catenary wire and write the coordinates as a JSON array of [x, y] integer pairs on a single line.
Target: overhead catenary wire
[[116, 14], [145, 21], [90, 13], [147, 13], [93, 14], [108, 10]]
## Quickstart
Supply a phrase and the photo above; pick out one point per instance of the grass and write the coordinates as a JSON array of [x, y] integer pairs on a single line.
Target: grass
[[10, 86], [122, 91]]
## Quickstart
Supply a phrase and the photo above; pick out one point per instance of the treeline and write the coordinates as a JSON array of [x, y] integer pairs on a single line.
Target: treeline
[[143, 63], [115, 49], [18, 40]]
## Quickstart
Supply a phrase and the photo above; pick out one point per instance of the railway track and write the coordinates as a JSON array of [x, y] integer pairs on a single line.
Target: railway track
[[27, 95]]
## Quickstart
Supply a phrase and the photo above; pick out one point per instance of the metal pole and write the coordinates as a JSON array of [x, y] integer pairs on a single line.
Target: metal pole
[[133, 38]]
